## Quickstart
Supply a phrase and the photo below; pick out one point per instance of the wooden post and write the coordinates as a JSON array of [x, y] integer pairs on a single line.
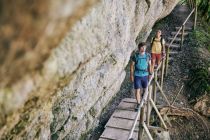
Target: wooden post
[[196, 12], [141, 121], [162, 72], [161, 119], [167, 60], [148, 104], [182, 38], [155, 87], [147, 131], [161, 91], [189, 3]]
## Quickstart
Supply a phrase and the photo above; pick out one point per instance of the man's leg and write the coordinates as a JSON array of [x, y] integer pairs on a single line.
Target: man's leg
[[144, 82], [137, 83], [138, 97], [137, 86]]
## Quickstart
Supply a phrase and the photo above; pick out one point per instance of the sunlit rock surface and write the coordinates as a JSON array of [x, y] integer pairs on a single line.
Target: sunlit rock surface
[[61, 70]]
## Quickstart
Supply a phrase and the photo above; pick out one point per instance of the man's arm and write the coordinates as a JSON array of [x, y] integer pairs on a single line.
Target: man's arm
[[132, 71], [150, 67]]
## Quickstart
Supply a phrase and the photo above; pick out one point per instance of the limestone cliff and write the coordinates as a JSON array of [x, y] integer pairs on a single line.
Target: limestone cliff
[[82, 50]]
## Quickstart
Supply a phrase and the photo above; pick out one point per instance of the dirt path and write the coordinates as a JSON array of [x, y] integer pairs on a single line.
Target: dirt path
[[178, 72]]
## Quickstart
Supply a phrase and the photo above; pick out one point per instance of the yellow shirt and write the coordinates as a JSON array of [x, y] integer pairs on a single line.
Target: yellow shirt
[[156, 46]]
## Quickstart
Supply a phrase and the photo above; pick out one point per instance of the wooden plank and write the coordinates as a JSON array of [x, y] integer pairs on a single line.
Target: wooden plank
[[120, 123], [125, 114], [116, 134], [186, 28], [176, 46], [123, 118], [126, 105], [174, 33], [129, 100], [176, 39], [121, 128], [173, 52]]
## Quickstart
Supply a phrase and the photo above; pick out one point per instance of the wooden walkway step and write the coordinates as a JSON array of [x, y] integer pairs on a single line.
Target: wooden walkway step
[[176, 40], [121, 121], [174, 33], [115, 134], [186, 28], [173, 53], [173, 46]]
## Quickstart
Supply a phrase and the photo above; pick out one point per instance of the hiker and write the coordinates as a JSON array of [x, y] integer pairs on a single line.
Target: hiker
[[139, 71], [158, 49]]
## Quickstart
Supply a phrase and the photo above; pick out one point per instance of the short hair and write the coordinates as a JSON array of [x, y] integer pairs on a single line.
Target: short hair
[[141, 44], [158, 31]]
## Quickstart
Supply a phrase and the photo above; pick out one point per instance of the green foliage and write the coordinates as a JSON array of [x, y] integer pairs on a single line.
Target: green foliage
[[199, 75], [183, 2], [201, 36], [199, 82], [204, 8]]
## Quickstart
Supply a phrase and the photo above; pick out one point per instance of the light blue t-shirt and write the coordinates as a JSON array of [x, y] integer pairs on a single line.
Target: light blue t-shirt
[[141, 64]]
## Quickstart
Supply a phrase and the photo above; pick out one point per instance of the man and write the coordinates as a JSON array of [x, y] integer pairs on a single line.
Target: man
[[158, 48], [139, 71]]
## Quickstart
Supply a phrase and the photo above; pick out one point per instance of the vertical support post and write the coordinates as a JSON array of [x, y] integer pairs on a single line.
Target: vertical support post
[[155, 86], [189, 2], [162, 72], [167, 60], [148, 104], [141, 121], [196, 12], [182, 38]]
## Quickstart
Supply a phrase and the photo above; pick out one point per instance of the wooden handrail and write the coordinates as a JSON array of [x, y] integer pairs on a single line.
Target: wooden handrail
[[144, 99], [181, 27], [139, 110]]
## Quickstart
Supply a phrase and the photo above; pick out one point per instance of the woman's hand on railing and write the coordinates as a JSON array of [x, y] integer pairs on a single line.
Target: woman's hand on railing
[[163, 54]]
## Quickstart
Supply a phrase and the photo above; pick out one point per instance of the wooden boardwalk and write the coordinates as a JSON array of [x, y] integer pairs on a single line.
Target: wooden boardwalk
[[124, 122], [120, 123]]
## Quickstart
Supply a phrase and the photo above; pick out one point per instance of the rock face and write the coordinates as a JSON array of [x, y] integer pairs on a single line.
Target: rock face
[[83, 71]]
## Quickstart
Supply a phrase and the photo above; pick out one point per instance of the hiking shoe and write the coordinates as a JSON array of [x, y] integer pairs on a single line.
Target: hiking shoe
[[137, 107]]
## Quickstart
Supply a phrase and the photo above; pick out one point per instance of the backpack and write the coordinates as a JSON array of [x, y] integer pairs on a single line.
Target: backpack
[[161, 42], [141, 63]]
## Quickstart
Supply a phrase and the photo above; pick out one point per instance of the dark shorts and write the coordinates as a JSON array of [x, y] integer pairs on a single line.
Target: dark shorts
[[140, 82]]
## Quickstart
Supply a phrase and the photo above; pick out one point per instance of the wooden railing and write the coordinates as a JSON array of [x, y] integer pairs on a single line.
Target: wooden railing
[[149, 99], [182, 30]]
